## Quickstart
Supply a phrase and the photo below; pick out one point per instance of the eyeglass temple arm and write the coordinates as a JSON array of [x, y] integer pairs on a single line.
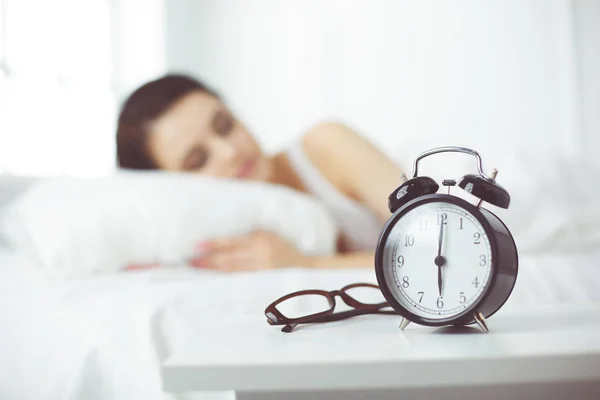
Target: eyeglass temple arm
[[351, 313], [339, 316]]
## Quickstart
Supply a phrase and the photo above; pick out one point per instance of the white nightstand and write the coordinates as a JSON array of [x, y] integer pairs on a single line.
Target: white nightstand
[[549, 353]]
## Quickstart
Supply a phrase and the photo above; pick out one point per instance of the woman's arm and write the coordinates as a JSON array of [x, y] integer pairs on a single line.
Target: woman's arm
[[359, 170], [354, 165], [359, 259]]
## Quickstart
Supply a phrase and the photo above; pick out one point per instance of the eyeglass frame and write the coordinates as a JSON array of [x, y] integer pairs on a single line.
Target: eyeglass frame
[[275, 317]]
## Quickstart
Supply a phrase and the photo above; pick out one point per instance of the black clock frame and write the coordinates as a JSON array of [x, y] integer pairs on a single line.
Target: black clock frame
[[504, 267]]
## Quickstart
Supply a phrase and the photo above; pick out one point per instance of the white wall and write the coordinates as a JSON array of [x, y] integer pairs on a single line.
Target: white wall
[[586, 17], [56, 110], [409, 74], [138, 43]]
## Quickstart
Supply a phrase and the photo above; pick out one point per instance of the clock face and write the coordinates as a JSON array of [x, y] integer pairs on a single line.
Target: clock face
[[437, 260]]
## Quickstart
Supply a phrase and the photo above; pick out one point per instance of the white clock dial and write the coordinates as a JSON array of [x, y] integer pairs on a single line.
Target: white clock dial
[[464, 258]]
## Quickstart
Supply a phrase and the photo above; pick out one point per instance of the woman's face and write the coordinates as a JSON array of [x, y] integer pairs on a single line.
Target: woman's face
[[198, 134]]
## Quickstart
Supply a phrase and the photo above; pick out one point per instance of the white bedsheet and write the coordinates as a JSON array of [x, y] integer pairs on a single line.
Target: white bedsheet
[[104, 337]]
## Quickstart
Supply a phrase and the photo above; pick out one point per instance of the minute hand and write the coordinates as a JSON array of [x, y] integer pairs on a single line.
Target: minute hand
[[440, 239]]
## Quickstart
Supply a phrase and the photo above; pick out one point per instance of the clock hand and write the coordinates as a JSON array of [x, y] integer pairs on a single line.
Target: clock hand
[[440, 260], [440, 238], [440, 279]]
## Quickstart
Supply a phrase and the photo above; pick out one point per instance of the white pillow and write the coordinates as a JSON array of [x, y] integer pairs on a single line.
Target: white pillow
[[76, 226]]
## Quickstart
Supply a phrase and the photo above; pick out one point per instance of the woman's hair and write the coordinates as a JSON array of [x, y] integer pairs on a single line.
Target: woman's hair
[[142, 107]]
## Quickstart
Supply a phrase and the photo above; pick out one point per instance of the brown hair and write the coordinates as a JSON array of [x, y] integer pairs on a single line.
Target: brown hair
[[143, 106]]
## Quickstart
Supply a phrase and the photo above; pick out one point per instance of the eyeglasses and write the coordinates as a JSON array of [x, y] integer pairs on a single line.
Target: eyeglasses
[[276, 317]]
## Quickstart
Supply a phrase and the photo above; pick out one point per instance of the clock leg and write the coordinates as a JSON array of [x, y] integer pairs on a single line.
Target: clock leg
[[404, 323], [480, 319]]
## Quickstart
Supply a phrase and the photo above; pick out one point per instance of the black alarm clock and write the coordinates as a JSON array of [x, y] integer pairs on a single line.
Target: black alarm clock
[[441, 260]]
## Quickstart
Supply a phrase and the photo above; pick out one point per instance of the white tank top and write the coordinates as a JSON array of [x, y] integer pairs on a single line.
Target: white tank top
[[359, 227]]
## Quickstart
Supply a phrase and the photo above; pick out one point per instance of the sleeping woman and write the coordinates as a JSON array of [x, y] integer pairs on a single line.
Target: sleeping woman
[[177, 123]]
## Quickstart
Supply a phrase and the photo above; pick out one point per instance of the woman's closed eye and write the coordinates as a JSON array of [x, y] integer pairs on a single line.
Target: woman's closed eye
[[223, 123], [195, 159]]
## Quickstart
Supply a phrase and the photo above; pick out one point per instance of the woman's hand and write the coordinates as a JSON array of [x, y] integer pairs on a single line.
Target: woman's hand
[[258, 250]]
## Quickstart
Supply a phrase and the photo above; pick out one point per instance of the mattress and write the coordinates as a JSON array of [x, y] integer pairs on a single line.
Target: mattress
[[104, 337]]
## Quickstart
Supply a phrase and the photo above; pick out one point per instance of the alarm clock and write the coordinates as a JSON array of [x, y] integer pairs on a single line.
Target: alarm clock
[[441, 260]]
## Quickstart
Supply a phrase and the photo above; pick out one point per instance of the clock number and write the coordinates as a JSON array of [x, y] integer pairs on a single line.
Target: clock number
[[405, 283], [477, 236], [440, 302], [442, 218], [400, 261], [460, 222], [475, 282], [482, 260], [423, 224], [409, 240], [420, 294], [463, 298]]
